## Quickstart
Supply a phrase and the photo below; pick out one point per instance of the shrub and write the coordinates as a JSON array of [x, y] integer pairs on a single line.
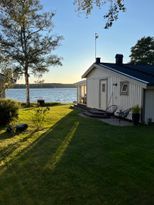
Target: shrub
[[39, 117], [8, 111], [136, 109]]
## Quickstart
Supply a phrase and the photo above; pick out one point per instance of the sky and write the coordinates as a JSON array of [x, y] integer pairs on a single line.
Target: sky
[[78, 47]]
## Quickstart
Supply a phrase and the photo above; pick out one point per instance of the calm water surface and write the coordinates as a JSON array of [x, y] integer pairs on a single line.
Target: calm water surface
[[64, 95]]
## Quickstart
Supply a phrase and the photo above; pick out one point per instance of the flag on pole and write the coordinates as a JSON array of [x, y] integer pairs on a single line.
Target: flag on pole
[[96, 35]]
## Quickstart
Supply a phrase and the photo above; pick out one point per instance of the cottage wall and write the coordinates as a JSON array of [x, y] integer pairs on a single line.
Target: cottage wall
[[123, 102], [149, 105]]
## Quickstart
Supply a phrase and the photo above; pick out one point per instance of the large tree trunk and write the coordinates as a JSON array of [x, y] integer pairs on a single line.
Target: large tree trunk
[[27, 89]]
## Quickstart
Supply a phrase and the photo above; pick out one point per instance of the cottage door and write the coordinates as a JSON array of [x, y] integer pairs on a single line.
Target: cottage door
[[103, 94]]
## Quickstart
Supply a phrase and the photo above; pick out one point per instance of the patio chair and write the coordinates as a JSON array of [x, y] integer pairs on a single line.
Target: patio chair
[[122, 114], [111, 109]]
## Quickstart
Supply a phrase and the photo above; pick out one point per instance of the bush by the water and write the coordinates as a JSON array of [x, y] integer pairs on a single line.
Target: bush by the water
[[8, 111]]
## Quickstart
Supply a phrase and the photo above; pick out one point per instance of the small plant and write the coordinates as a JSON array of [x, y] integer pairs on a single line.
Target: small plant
[[136, 109], [39, 117], [136, 114], [8, 111]]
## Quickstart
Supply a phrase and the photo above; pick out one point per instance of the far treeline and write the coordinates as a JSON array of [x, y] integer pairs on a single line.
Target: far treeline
[[46, 85]]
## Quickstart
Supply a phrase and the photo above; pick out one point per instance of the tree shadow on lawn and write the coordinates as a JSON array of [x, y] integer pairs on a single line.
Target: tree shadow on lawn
[[17, 143], [5, 135], [7, 153], [24, 174], [74, 163]]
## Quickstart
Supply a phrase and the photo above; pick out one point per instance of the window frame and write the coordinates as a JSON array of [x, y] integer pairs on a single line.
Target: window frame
[[103, 88], [122, 84]]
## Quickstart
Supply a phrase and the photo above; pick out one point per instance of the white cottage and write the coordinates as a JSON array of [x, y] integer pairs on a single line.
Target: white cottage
[[124, 85]]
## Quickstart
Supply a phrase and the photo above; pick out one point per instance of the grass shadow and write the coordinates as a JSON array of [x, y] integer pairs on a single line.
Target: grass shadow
[[5, 135]]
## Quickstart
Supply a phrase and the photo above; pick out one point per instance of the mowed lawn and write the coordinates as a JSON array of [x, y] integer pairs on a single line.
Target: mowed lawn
[[76, 161]]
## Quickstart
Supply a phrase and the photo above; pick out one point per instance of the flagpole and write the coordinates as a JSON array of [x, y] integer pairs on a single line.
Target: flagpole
[[95, 46], [96, 36]]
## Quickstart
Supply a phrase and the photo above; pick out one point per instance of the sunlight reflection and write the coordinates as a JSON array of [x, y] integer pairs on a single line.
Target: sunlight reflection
[[62, 148]]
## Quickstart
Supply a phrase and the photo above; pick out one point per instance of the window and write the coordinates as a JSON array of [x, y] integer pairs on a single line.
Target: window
[[103, 87], [124, 88]]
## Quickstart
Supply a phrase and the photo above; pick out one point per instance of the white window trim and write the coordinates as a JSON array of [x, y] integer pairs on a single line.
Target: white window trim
[[122, 84]]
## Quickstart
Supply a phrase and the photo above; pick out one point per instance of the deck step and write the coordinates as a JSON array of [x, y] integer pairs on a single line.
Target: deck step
[[96, 115]]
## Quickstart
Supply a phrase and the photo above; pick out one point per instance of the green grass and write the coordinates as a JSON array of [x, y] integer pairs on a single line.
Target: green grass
[[75, 161]]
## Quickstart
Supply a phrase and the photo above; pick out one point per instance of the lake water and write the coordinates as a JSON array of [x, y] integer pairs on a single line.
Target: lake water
[[63, 95]]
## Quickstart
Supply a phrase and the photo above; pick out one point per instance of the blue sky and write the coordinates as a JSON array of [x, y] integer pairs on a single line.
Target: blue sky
[[77, 48]]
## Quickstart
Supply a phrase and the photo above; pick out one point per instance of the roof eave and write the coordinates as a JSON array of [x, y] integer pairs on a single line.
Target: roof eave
[[82, 82], [150, 84], [127, 75], [88, 71]]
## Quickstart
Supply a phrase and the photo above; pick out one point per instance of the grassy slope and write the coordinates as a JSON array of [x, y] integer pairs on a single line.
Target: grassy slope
[[77, 161]]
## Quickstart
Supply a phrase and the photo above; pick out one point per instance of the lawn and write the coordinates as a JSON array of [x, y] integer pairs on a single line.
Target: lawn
[[75, 161]]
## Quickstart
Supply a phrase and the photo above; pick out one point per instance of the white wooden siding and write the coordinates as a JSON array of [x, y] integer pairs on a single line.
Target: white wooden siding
[[93, 93], [114, 98], [149, 105]]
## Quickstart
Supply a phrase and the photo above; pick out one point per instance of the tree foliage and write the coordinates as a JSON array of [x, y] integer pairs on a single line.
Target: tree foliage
[[115, 6], [26, 39], [9, 77], [143, 51]]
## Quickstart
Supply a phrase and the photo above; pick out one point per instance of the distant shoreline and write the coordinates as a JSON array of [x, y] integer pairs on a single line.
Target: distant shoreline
[[44, 85]]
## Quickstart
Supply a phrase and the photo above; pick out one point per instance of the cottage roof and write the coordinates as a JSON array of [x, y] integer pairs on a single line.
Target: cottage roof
[[81, 82], [144, 73]]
